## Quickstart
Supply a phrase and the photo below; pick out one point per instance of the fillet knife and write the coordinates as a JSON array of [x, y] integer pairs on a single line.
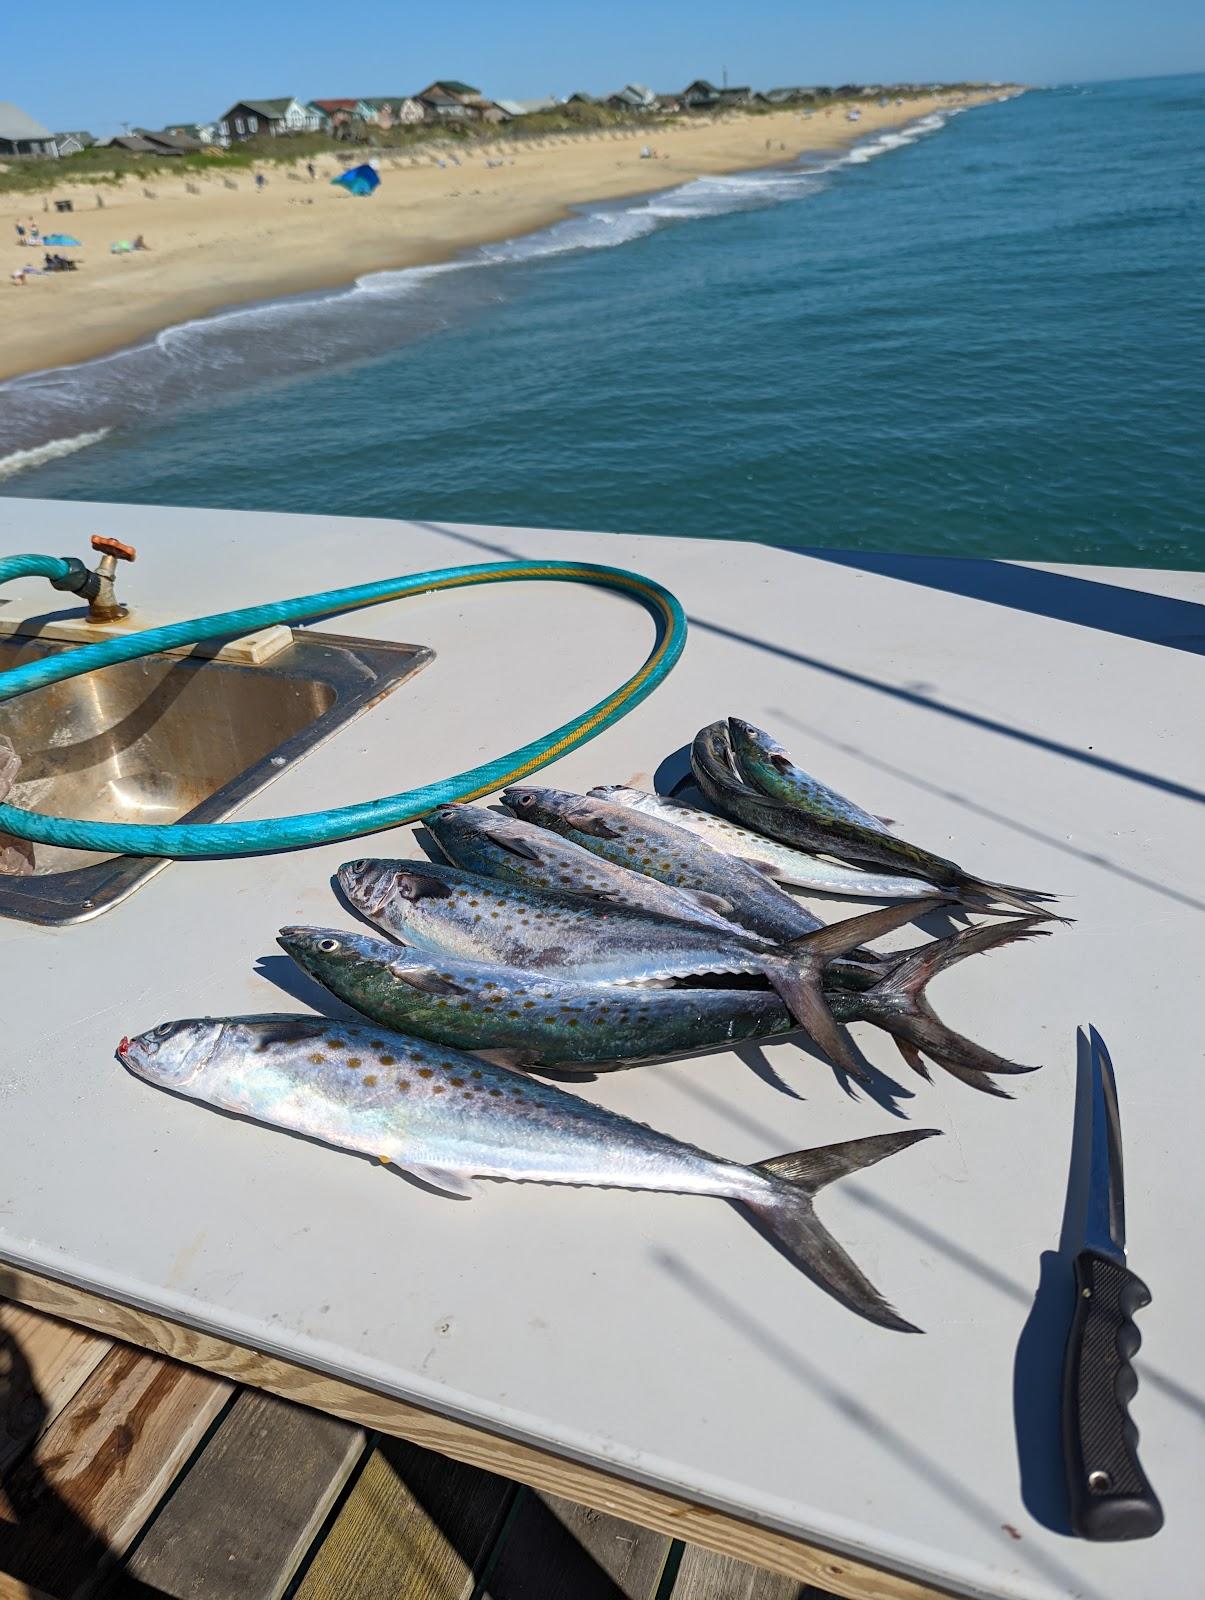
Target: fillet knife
[[1108, 1493]]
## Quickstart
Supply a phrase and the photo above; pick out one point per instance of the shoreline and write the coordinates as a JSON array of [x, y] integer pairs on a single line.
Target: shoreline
[[219, 248]]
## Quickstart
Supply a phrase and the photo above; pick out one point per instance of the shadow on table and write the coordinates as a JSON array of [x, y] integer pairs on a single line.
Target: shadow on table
[[1064, 597]]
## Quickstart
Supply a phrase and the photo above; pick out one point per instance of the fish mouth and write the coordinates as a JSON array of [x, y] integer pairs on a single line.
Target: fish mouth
[[123, 1050]]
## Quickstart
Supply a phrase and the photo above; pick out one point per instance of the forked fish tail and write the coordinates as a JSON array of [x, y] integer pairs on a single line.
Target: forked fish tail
[[786, 1215]]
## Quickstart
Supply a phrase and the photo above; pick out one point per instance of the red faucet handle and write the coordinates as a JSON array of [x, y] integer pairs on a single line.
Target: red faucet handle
[[113, 547]]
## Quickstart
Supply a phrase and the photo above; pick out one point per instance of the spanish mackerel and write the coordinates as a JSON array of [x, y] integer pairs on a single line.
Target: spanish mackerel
[[650, 845], [440, 908], [501, 846], [540, 1019], [447, 1118], [733, 763], [777, 861]]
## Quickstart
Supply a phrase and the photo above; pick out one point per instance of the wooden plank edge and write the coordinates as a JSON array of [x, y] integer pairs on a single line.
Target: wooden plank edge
[[667, 1513]]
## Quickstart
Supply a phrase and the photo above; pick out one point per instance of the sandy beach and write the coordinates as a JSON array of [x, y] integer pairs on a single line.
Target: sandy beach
[[218, 242]]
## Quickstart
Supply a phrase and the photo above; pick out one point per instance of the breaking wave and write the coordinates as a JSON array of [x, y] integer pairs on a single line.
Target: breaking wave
[[21, 460]]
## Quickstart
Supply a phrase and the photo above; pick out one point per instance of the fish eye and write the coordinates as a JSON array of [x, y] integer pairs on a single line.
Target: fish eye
[[327, 945], [357, 866], [527, 800], [162, 1031]]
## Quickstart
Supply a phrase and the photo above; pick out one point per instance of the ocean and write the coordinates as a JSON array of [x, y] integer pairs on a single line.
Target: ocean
[[983, 335]]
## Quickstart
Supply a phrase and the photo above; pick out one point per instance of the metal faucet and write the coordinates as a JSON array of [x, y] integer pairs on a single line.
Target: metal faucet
[[97, 586], [104, 606]]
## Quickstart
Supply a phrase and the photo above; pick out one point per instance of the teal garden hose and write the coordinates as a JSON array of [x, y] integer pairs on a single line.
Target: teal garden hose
[[181, 840]]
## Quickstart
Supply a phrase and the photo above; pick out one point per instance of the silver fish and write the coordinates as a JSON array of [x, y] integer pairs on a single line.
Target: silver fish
[[437, 908], [448, 1118], [777, 861], [803, 811], [656, 847], [502, 846]]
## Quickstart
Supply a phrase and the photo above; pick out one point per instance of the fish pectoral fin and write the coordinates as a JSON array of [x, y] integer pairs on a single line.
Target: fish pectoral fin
[[426, 979], [584, 822], [451, 1183], [764, 867], [888, 822], [709, 902], [512, 1056], [514, 847]]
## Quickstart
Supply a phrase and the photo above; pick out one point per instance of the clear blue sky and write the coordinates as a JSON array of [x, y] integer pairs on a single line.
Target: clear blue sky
[[80, 64]]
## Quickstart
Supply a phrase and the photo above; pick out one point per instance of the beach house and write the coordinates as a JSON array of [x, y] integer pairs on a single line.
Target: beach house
[[633, 97], [20, 135], [334, 115], [247, 119], [449, 100], [70, 144], [701, 95], [390, 111]]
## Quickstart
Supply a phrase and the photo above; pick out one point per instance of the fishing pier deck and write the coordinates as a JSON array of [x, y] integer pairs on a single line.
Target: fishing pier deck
[[648, 1355]]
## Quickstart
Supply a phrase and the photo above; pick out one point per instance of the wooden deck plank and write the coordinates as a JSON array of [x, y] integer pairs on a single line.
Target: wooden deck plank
[[704, 1575], [555, 1549], [95, 1475], [240, 1523], [42, 1364], [415, 1524], [834, 1573]]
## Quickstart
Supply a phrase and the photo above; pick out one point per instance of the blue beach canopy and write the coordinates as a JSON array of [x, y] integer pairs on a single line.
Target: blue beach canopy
[[60, 239], [358, 180]]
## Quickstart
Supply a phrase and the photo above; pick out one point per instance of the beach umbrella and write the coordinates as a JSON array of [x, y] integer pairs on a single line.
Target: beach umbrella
[[60, 239], [358, 180]]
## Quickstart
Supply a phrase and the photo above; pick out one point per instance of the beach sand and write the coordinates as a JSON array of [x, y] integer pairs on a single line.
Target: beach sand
[[223, 245]]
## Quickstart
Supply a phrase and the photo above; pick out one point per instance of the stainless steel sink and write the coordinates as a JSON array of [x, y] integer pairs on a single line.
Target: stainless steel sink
[[165, 740]]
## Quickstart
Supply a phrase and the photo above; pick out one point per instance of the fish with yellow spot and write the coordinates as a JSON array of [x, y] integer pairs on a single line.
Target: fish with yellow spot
[[448, 1118]]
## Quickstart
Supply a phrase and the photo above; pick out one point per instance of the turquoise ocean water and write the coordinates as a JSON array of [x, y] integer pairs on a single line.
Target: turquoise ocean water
[[984, 336]]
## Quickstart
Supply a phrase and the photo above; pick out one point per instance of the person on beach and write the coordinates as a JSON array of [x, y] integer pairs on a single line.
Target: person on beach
[[140, 243], [260, 181], [20, 227], [312, 170]]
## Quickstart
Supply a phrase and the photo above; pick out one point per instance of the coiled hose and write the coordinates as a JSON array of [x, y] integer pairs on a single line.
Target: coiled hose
[[179, 840]]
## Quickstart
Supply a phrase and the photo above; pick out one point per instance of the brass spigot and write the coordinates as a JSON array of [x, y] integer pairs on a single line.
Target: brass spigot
[[104, 606]]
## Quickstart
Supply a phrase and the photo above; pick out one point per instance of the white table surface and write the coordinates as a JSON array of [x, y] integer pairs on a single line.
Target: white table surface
[[658, 1335]]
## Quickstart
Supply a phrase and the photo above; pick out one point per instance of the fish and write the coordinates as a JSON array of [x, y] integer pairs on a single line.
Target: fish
[[755, 788], [528, 1019], [657, 848], [436, 908], [447, 1118], [501, 846], [777, 861], [535, 1020]]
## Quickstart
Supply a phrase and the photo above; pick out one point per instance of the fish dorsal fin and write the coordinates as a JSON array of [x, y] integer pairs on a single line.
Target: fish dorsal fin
[[452, 1183], [426, 979]]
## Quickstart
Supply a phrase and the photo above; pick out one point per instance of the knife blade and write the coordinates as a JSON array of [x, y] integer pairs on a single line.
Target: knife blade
[[1109, 1496]]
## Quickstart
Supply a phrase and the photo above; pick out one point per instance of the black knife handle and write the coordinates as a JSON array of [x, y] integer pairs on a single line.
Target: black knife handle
[[1109, 1496]]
